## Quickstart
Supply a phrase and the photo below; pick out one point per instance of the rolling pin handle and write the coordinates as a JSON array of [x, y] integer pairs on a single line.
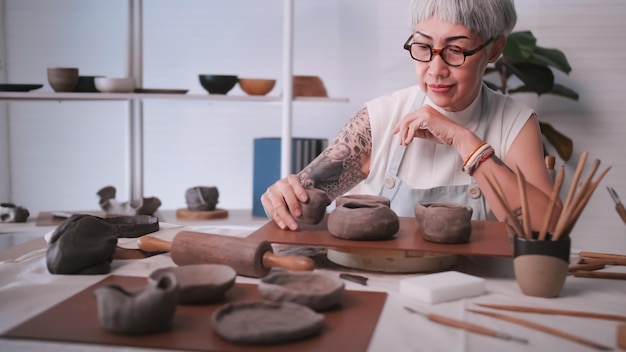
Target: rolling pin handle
[[152, 244], [294, 263]]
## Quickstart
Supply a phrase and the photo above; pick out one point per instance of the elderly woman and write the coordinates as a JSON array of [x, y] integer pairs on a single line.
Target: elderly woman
[[442, 139]]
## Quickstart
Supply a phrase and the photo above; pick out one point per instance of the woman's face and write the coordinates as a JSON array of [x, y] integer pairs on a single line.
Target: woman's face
[[451, 88]]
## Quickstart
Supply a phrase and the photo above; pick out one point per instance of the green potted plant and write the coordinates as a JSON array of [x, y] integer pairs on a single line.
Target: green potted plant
[[532, 65]]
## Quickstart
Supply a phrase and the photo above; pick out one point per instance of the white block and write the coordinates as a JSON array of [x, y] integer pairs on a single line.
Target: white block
[[442, 287]]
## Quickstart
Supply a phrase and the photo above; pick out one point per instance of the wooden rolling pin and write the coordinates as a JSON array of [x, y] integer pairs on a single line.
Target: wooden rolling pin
[[249, 257]]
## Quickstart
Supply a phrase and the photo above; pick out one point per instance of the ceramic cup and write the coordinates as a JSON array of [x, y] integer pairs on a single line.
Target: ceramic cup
[[541, 265]]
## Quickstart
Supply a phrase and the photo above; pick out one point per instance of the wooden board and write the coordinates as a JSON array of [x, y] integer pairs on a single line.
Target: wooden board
[[346, 329], [489, 238], [186, 214]]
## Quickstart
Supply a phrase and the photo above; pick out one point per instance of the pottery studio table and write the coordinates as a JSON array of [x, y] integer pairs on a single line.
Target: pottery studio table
[[27, 290]]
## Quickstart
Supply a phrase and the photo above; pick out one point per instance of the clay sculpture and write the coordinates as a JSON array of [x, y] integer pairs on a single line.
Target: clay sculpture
[[443, 222], [111, 206], [10, 212], [265, 322], [201, 198], [84, 244], [314, 209], [150, 310], [363, 218], [314, 290], [200, 283]]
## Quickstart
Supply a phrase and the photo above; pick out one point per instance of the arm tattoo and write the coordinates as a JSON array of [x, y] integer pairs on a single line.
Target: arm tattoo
[[341, 165]]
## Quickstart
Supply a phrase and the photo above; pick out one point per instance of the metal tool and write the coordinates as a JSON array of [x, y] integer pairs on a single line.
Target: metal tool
[[619, 207], [467, 326]]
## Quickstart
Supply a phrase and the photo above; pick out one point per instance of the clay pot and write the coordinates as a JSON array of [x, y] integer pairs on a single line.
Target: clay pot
[[541, 265], [361, 199], [314, 290], [308, 86], [363, 220], [200, 283], [444, 222], [202, 198], [314, 209], [148, 311], [63, 79]]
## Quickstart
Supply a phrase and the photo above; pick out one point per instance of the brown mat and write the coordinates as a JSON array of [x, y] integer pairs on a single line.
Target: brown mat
[[346, 329], [489, 238]]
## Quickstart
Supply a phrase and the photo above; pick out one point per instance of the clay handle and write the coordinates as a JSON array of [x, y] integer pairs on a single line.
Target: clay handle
[[295, 263], [153, 244]]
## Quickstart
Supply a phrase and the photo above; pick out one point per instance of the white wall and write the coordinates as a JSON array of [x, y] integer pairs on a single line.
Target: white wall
[[62, 153]]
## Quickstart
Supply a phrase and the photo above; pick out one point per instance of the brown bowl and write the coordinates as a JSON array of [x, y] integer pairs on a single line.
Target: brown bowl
[[63, 79], [308, 86], [200, 283], [257, 86], [315, 290]]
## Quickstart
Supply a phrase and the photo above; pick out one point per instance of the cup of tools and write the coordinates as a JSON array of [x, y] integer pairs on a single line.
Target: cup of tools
[[541, 265]]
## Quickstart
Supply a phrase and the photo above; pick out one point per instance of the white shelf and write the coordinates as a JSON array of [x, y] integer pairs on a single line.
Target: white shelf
[[51, 96]]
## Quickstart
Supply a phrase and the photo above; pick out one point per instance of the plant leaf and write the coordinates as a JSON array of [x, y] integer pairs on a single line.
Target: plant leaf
[[563, 144], [520, 45], [551, 57], [561, 90], [536, 78]]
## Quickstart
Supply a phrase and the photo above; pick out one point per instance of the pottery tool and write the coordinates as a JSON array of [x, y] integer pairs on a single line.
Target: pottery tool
[[495, 186], [619, 207], [606, 258], [558, 183], [354, 278], [621, 336], [475, 328], [600, 275], [571, 313], [442, 287], [586, 267], [543, 328], [248, 257], [521, 183]]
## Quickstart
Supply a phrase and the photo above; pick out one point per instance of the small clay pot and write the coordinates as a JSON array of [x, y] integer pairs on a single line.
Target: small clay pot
[[314, 290], [444, 222], [150, 310], [363, 220], [314, 209], [200, 283], [541, 266], [202, 198]]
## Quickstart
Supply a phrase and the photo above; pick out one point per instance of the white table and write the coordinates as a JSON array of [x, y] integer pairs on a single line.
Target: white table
[[26, 289]]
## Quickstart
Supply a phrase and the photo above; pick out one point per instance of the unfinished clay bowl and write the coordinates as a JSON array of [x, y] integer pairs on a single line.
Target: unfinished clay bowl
[[149, 310], [314, 209], [265, 322], [363, 221], [362, 198], [200, 283], [202, 198], [443, 222], [314, 290]]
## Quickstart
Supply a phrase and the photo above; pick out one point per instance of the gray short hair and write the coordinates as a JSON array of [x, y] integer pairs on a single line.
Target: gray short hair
[[488, 18]]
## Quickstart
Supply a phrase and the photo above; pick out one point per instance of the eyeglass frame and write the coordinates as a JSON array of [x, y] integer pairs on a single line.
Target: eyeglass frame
[[434, 52]]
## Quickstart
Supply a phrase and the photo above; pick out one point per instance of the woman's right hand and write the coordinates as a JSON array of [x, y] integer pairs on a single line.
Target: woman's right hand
[[281, 201]]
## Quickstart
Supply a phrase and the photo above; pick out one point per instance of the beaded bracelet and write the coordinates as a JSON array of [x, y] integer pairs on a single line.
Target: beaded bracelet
[[474, 157], [473, 152]]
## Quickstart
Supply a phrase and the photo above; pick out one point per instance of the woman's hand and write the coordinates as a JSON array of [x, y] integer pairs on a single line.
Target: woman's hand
[[281, 201], [427, 123]]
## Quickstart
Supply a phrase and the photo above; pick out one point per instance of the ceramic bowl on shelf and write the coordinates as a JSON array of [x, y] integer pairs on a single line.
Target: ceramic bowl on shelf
[[86, 84], [218, 84], [114, 85], [257, 86], [62, 79], [308, 86]]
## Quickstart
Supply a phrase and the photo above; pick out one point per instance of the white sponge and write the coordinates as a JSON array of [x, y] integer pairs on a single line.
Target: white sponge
[[442, 287]]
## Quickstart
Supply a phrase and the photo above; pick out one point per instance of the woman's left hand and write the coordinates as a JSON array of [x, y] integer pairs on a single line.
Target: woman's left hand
[[427, 123]]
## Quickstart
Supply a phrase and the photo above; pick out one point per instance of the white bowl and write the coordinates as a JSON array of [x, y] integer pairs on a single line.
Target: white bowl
[[114, 85]]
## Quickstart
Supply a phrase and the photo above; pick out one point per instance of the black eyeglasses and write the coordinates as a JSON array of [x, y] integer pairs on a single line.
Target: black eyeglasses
[[452, 55]]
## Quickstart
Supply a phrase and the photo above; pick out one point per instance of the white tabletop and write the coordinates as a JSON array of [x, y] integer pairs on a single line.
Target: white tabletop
[[27, 288]]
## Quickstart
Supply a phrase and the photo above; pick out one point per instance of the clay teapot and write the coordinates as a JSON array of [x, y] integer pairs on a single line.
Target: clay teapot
[[443, 222]]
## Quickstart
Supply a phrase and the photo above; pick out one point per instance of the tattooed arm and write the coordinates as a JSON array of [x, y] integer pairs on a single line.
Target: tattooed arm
[[341, 166]]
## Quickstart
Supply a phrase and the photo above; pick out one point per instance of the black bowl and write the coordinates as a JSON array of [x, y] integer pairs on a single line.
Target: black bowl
[[218, 84], [86, 84]]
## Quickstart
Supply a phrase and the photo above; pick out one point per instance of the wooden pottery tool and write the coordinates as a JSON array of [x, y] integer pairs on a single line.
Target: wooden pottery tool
[[467, 326], [249, 257], [539, 310], [619, 207]]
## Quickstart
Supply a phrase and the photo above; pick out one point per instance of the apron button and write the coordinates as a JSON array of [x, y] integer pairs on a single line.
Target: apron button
[[389, 183], [474, 192]]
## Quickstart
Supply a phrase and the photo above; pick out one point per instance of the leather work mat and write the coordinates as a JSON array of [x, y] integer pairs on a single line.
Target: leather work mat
[[489, 238], [347, 328]]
